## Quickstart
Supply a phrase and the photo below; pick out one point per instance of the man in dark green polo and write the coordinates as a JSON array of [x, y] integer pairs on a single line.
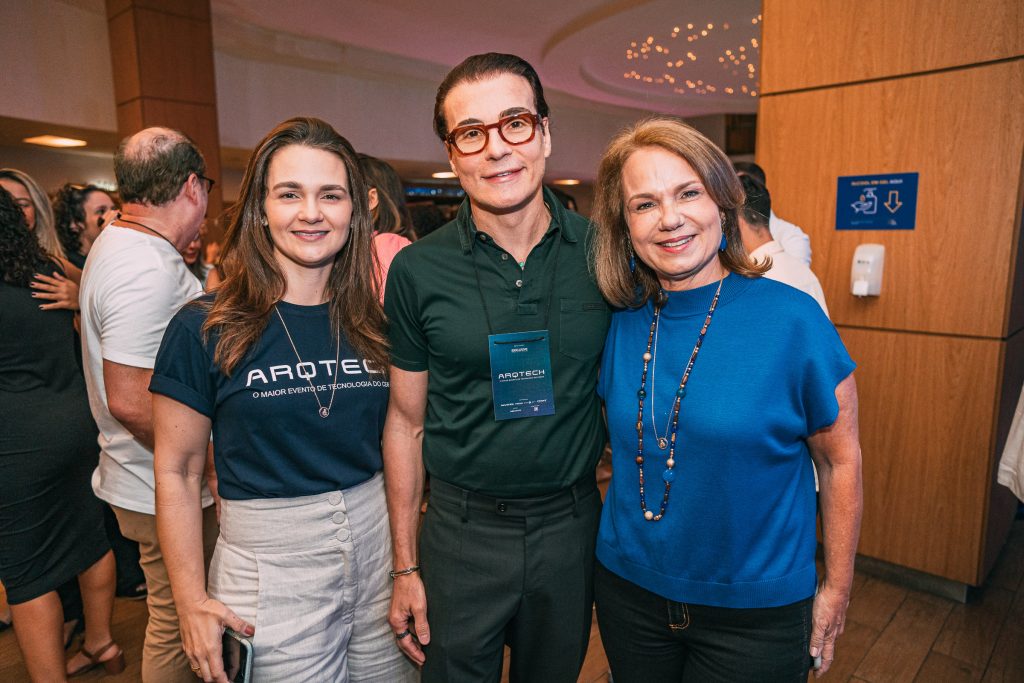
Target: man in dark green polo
[[496, 331]]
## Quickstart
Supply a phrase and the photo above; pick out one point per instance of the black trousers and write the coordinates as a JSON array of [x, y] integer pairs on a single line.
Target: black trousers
[[650, 639], [508, 571]]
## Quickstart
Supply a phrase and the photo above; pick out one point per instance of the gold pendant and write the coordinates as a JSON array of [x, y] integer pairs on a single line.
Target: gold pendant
[[324, 412], [662, 443]]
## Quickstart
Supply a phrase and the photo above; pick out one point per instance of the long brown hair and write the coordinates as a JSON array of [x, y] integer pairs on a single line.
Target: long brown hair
[[391, 213], [612, 248], [254, 282]]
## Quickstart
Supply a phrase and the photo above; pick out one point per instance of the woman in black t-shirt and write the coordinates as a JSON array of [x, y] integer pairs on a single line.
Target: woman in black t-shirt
[[284, 365]]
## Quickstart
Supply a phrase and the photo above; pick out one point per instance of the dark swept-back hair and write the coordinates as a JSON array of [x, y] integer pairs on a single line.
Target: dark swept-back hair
[[751, 169], [152, 171], [254, 282], [612, 246], [391, 214], [479, 67], [757, 204], [21, 257], [69, 210]]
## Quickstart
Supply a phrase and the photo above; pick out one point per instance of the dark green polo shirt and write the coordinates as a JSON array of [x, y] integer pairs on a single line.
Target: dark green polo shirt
[[437, 324]]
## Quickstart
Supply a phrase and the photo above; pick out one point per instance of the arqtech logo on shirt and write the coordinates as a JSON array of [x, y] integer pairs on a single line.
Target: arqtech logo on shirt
[[310, 371]]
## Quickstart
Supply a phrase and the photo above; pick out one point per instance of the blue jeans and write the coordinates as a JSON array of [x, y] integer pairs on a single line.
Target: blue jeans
[[649, 639]]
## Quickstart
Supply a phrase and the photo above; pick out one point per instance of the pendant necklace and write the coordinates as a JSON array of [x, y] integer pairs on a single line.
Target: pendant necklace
[[671, 430], [325, 410]]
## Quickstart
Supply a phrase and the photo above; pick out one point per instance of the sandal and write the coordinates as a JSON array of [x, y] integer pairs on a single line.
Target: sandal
[[114, 665]]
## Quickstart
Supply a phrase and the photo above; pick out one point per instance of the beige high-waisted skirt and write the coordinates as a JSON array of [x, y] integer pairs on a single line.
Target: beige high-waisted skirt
[[311, 574]]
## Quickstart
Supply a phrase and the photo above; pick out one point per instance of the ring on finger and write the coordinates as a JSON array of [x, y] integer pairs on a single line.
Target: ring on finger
[[402, 634]]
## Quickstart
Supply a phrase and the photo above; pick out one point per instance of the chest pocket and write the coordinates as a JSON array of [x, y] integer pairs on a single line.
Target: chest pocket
[[582, 327]]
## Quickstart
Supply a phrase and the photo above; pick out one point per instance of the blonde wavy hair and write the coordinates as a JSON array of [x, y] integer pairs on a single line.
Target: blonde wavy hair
[[45, 227]]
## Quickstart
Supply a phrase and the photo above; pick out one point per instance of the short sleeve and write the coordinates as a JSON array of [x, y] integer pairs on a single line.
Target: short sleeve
[[183, 365], [826, 364], [135, 315], [405, 329]]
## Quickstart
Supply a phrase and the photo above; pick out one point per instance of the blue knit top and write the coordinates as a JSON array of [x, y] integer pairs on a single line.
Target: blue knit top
[[739, 527]]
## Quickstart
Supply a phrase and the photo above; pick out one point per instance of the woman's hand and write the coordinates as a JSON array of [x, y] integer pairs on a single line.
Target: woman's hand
[[58, 289], [202, 628], [827, 623]]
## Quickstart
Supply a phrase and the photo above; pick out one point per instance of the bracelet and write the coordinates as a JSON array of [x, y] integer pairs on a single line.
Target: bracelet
[[403, 572]]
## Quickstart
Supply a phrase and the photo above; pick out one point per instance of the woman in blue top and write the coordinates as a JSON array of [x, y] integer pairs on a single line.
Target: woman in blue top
[[721, 388], [284, 364]]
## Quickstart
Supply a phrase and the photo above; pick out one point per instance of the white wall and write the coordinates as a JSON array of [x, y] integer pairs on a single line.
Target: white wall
[[58, 70], [55, 59]]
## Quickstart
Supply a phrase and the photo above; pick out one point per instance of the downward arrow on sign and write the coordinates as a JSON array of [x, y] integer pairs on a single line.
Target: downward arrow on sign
[[893, 203]]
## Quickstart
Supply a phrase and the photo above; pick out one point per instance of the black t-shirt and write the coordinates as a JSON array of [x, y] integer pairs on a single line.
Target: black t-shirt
[[269, 439]]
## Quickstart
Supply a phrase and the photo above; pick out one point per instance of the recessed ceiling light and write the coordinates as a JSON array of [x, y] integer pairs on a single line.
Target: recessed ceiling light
[[566, 181], [55, 141], [441, 175]]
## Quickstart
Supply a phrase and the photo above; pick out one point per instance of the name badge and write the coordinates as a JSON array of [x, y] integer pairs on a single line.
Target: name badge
[[521, 374]]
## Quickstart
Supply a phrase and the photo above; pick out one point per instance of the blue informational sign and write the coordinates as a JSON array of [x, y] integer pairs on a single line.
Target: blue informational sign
[[876, 202]]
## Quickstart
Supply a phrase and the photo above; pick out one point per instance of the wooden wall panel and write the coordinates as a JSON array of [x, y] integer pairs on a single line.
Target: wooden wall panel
[[811, 44], [926, 407], [177, 63], [162, 54], [964, 133]]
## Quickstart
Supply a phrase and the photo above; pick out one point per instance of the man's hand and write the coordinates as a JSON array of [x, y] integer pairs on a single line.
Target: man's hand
[[408, 616]]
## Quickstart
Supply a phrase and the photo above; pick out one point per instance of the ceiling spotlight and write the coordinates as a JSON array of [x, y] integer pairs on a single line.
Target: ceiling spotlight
[[566, 181], [442, 175], [55, 141]]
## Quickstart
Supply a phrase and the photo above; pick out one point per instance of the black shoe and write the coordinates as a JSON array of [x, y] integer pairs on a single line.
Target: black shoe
[[136, 592]]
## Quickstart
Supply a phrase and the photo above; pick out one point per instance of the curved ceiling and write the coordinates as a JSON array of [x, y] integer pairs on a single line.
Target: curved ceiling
[[692, 58]]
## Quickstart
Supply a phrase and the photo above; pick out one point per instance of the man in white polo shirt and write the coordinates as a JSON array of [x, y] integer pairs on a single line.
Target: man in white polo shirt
[[134, 282]]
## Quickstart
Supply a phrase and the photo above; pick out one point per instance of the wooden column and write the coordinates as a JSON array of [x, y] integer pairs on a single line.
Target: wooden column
[[877, 87], [162, 53]]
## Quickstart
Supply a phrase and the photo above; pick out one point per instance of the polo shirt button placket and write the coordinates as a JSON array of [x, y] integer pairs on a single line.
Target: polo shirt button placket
[[502, 507]]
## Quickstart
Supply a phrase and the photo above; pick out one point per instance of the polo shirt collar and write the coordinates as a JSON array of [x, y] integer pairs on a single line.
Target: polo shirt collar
[[468, 231]]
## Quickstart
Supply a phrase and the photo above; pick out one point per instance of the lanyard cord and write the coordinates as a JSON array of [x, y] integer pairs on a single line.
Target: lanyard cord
[[551, 287]]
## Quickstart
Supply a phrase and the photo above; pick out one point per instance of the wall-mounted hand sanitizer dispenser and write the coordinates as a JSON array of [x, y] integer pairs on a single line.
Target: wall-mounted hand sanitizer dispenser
[[866, 275]]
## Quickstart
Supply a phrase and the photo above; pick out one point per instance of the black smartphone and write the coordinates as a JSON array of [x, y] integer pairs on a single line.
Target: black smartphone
[[237, 651]]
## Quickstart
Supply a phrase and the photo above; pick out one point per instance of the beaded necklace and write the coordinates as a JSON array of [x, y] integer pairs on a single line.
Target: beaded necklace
[[668, 475]]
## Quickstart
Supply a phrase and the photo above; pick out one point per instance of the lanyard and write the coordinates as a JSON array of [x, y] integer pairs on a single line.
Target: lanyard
[[551, 287]]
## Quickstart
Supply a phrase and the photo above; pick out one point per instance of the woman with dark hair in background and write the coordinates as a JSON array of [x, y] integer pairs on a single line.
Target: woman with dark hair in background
[[51, 524], [392, 222], [79, 212], [284, 363]]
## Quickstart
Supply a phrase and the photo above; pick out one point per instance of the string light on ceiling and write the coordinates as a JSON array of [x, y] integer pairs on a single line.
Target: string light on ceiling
[[738, 61]]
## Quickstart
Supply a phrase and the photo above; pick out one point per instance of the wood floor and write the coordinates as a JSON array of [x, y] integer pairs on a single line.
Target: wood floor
[[892, 634]]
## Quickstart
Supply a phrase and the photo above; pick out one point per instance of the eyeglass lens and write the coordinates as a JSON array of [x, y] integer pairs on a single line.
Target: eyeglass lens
[[515, 130]]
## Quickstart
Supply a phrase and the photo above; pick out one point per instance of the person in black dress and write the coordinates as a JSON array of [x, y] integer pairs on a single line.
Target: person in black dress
[[51, 524]]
